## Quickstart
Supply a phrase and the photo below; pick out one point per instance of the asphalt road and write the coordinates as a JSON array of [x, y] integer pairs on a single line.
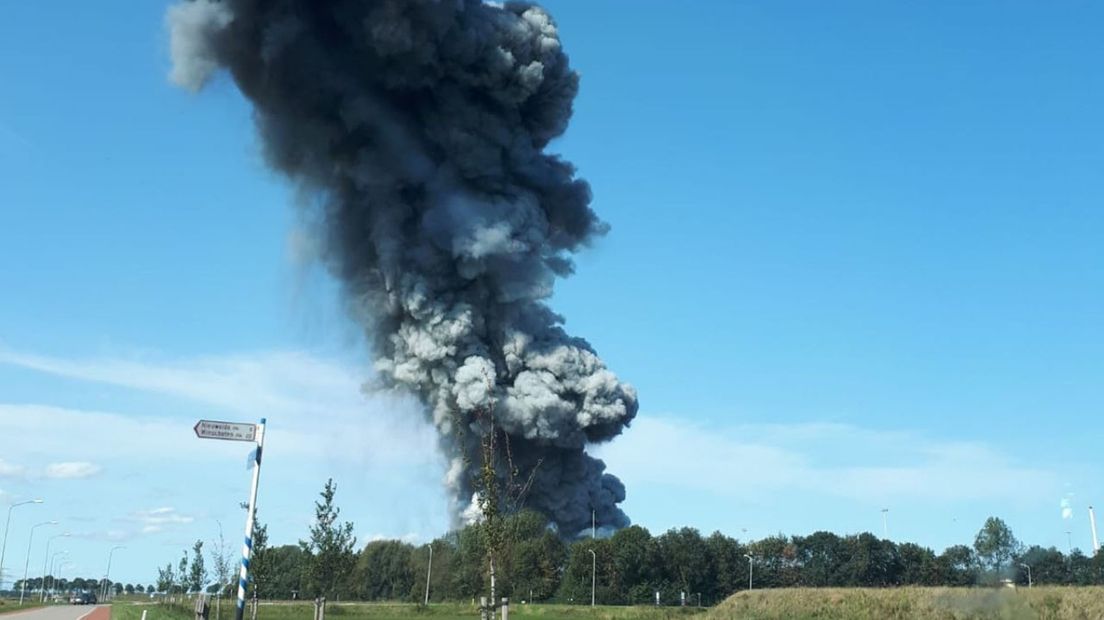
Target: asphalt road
[[60, 612]]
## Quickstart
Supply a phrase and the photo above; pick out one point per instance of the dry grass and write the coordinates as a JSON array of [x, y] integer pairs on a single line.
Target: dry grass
[[1041, 603], [406, 611]]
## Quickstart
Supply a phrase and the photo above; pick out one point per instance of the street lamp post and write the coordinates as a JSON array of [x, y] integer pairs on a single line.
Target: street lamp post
[[1029, 583], [53, 568], [107, 575], [61, 567], [593, 574], [27, 563], [429, 573], [4, 545], [45, 560], [885, 523], [751, 570]]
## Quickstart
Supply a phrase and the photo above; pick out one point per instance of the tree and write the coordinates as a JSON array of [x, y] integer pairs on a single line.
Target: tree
[[150, 589], [686, 560], [384, 571], [532, 557], [957, 566], [636, 569], [166, 578], [283, 573], [1048, 566], [197, 574], [222, 562], [444, 561], [576, 582], [182, 573], [995, 545], [728, 562], [918, 565], [330, 548], [259, 561], [822, 555]]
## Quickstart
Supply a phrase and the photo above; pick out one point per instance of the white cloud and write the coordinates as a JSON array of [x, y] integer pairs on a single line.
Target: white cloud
[[315, 406], [72, 470], [159, 519], [11, 470], [830, 459]]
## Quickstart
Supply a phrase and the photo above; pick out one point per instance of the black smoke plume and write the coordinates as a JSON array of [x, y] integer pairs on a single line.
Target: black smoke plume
[[416, 130]]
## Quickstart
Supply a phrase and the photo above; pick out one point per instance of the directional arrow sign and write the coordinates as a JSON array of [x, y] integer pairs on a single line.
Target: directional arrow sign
[[230, 431]]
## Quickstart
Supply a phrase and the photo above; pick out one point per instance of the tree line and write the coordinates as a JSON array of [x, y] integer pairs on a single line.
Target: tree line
[[80, 584], [630, 567]]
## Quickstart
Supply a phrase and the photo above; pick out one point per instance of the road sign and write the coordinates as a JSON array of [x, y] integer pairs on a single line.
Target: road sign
[[230, 431]]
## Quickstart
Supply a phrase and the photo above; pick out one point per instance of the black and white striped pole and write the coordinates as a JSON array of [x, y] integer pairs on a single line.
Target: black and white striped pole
[[237, 431]]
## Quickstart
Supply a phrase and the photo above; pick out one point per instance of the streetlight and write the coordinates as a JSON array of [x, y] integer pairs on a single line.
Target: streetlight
[[107, 574], [593, 574], [429, 573], [27, 563], [885, 523], [1029, 584], [62, 567], [4, 545], [53, 569], [751, 570], [46, 559]]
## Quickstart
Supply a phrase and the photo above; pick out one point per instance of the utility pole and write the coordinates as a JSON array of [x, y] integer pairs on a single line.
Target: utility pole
[[4, 545], [885, 523], [593, 574], [751, 570], [593, 526]]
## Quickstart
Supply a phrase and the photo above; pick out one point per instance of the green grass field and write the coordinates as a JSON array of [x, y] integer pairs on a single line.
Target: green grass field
[[1042, 603], [399, 611], [11, 605]]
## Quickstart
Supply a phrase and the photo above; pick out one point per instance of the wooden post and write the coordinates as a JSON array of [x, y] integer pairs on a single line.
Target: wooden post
[[202, 609]]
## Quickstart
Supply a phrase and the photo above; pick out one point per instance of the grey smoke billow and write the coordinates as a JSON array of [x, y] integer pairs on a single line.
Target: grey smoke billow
[[416, 130]]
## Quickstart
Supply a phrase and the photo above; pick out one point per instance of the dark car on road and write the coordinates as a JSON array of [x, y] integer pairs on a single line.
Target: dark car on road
[[82, 598]]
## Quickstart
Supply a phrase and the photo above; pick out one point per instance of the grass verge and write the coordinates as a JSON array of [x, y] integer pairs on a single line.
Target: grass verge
[[405, 611], [1041, 603], [11, 606]]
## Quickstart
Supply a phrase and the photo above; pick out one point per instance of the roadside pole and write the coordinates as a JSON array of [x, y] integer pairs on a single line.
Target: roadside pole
[[236, 431], [247, 546]]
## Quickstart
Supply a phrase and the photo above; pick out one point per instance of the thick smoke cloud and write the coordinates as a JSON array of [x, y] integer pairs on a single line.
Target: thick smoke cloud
[[416, 129]]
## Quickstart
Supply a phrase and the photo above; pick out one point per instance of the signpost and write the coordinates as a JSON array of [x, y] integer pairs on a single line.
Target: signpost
[[238, 431], [230, 431]]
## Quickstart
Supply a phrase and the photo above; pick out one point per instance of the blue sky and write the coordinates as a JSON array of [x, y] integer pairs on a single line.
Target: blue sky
[[855, 262]]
